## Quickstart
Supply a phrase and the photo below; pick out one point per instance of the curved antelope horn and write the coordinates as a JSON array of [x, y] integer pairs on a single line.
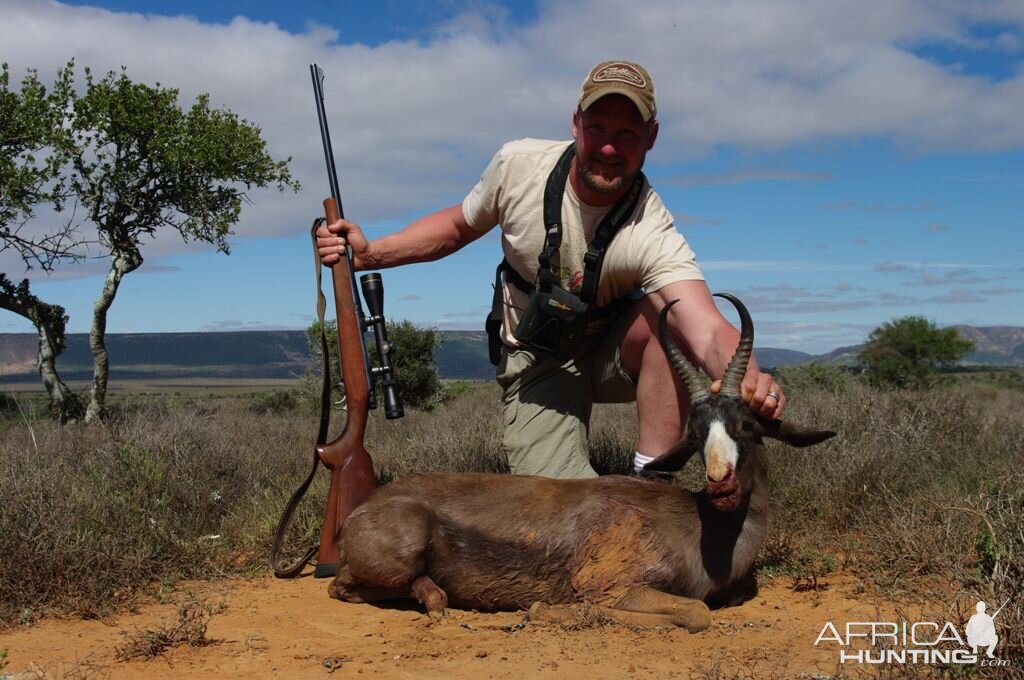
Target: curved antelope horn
[[738, 364], [694, 383]]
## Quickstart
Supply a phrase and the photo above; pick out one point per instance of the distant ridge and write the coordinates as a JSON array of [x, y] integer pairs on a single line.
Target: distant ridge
[[241, 354], [284, 354]]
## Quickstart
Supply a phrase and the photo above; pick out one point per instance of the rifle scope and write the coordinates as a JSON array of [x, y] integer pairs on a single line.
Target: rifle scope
[[373, 292]]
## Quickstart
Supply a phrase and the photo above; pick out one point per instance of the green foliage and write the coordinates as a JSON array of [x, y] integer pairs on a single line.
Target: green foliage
[[986, 549], [276, 401], [1009, 377], [139, 162], [315, 372], [415, 366], [814, 376], [907, 352], [31, 129], [807, 565], [20, 300], [454, 390]]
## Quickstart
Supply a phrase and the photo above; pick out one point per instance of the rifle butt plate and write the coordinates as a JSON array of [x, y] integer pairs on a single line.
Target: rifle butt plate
[[325, 571]]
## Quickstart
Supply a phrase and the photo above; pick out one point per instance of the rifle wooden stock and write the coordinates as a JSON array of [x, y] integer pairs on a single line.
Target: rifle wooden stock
[[352, 478]]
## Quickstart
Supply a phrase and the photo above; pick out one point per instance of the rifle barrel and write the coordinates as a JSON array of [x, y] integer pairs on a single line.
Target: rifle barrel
[[317, 74], [325, 135]]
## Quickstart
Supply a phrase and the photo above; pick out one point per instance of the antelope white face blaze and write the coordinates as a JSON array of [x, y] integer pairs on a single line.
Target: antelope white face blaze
[[720, 452]]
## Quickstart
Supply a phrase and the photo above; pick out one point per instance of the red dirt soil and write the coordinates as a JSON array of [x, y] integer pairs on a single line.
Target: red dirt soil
[[280, 629]]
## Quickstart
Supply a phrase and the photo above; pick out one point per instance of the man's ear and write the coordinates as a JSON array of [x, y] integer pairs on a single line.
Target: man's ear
[[654, 134], [576, 123]]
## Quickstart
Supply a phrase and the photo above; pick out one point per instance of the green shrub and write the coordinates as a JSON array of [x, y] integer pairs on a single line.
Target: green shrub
[[276, 401], [814, 376], [907, 352], [415, 367], [419, 384], [8, 405]]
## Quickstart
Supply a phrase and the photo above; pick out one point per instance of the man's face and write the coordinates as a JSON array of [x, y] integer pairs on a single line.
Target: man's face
[[612, 141]]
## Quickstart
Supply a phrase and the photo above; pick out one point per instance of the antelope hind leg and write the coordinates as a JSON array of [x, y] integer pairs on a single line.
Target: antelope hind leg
[[347, 589], [423, 589], [382, 556]]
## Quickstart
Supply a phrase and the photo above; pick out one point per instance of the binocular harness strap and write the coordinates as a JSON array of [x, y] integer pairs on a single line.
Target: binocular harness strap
[[554, 190]]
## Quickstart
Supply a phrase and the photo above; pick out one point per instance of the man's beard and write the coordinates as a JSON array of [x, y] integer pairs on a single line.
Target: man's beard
[[600, 184]]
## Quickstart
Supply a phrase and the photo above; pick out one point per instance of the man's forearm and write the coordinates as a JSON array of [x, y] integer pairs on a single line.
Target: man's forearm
[[721, 351], [429, 238]]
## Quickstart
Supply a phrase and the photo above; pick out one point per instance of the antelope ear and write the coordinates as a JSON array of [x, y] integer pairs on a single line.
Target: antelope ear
[[674, 459], [793, 434]]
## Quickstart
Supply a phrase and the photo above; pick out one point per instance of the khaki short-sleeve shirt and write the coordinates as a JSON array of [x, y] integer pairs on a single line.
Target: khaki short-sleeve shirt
[[647, 253]]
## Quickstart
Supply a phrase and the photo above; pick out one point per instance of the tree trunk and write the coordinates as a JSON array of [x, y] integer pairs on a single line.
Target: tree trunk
[[66, 405], [123, 261], [49, 321]]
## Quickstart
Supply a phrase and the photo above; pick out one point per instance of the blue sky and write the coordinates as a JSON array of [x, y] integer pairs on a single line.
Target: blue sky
[[836, 167]]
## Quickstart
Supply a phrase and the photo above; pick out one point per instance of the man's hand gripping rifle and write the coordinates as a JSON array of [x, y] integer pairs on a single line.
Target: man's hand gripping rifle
[[351, 467]]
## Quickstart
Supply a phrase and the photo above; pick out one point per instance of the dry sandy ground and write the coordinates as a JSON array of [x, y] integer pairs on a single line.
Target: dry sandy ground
[[283, 629]]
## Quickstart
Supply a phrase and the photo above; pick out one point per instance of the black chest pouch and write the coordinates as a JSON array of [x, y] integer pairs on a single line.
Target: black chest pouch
[[554, 321]]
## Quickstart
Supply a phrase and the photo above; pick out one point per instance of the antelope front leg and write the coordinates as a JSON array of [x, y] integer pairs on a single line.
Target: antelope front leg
[[685, 612], [641, 606], [430, 596]]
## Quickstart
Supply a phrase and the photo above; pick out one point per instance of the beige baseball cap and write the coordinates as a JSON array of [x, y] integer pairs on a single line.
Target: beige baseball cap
[[620, 77]]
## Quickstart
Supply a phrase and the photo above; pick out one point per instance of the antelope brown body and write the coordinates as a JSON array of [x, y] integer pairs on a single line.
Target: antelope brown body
[[642, 551]]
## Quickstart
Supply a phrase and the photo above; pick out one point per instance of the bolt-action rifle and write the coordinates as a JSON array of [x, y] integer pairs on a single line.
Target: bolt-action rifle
[[351, 467]]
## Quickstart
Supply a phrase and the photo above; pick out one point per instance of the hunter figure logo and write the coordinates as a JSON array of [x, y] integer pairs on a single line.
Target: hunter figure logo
[[920, 642], [623, 73], [981, 630]]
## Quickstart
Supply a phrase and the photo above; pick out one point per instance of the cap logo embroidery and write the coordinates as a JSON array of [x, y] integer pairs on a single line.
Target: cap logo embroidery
[[620, 73]]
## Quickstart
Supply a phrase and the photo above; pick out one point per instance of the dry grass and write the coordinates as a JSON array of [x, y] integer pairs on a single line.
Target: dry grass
[[916, 488], [189, 629]]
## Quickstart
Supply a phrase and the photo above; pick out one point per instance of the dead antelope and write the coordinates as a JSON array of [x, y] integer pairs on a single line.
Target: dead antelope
[[638, 551]]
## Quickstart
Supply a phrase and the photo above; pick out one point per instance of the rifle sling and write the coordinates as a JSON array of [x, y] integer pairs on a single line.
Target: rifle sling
[[282, 570]]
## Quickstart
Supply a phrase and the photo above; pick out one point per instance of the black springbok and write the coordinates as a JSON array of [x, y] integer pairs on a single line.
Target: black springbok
[[637, 551]]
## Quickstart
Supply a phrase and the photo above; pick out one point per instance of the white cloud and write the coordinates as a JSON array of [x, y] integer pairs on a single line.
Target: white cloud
[[744, 175], [775, 266], [414, 123]]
